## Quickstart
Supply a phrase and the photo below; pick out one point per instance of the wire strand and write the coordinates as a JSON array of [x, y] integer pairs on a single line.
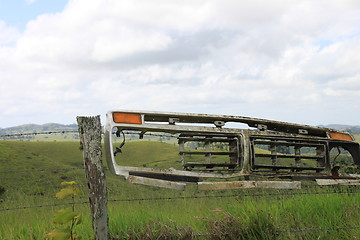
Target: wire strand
[[227, 196], [42, 206], [37, 133], [318, 229], [41, 170], [189, 197]]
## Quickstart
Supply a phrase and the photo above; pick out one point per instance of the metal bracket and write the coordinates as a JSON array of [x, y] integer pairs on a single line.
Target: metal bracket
[[172, 121], [261, 127], [219, 124], [303, 131]]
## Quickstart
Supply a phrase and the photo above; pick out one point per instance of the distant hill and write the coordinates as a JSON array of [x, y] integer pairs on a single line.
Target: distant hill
[[27, 129], [56, 127], [346, 128], [354, 130], [38, 128]]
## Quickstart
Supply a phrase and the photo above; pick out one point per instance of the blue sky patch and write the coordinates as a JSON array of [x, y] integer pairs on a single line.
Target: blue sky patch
[[17, 13]]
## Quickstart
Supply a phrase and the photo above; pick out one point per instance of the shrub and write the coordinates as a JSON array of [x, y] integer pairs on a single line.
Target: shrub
[[66, 219], [159, 231], [259, 226], [2, 191]]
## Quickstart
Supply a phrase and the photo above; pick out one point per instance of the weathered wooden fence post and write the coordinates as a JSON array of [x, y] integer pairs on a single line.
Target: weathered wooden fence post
[[90, 137]]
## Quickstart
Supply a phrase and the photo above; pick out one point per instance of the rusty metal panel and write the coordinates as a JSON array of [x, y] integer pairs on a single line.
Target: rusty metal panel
[[286, 153], [156, 182], [206, 143], [261, 124], [174, 172], [327, 182], [249, 184], [279, 184], [274, 149]]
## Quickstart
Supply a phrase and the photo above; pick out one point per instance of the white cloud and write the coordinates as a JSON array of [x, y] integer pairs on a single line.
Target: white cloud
[[30, 1], [332, 92], [235, 57], [8, 35], [107, 48]]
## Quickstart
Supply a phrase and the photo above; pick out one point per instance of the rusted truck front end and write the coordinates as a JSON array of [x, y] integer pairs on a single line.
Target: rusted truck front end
[[215, 146]]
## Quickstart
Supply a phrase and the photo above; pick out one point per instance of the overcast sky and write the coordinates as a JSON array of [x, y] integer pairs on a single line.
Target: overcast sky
[[296, 61]]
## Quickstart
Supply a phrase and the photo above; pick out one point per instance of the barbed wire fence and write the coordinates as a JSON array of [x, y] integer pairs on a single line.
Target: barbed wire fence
[[16, 136]]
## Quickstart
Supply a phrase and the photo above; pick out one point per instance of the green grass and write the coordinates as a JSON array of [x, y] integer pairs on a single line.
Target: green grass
[[253, 217], [147, 154]]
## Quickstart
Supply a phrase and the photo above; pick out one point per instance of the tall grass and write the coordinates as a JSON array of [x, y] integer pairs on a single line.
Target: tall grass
[[248, 214], [253, 217]]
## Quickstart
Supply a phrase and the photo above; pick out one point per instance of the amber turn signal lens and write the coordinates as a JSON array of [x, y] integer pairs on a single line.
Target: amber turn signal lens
[[341, 136], [131, 118]]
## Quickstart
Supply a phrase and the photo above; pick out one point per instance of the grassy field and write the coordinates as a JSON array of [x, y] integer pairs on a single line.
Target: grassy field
[[227, 214]]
